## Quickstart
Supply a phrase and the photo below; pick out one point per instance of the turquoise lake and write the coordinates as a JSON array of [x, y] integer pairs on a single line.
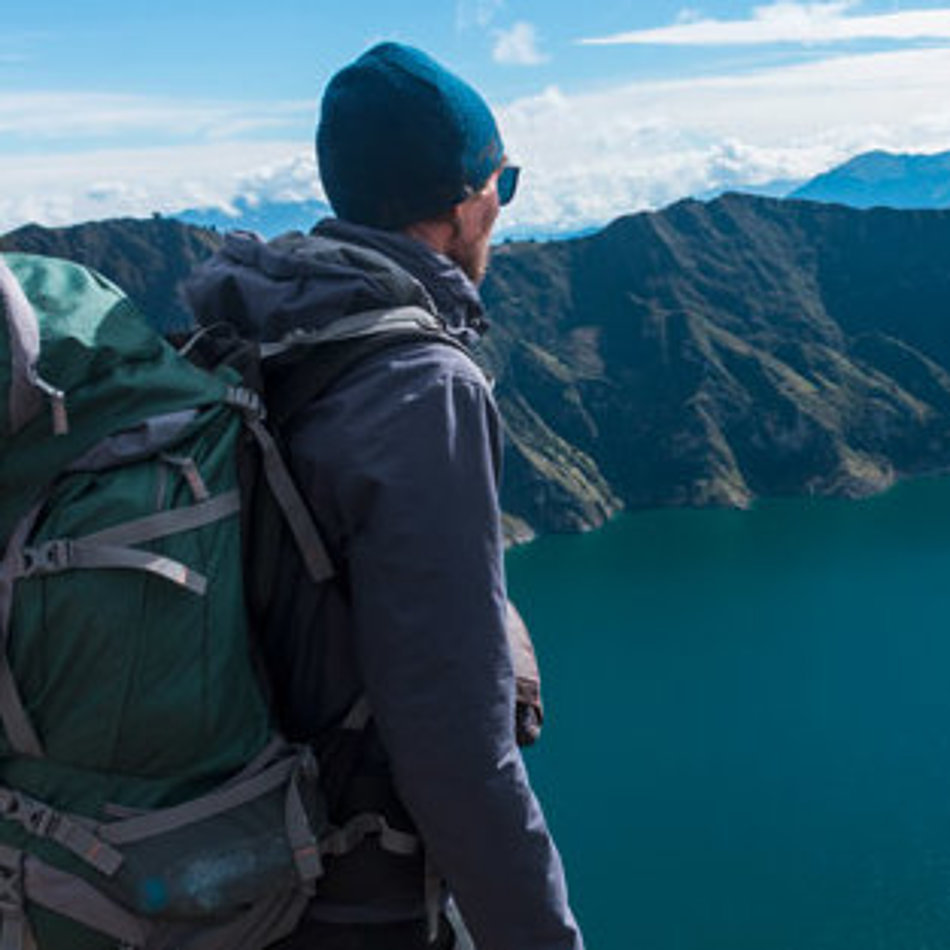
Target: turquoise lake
[[747, 744]]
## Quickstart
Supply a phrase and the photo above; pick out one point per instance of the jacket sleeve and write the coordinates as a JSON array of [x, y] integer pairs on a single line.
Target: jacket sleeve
[[418, 496]]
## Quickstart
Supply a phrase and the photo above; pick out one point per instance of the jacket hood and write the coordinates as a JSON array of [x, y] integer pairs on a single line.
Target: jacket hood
[[297, 281]]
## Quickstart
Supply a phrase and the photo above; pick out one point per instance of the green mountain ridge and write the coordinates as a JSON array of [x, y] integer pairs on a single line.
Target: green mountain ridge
[[716, 352], [707, 354]]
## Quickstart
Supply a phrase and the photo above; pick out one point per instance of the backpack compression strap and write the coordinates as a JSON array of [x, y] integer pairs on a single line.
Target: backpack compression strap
[[110, 548]]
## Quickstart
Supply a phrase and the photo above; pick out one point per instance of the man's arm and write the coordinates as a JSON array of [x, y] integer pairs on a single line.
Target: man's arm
[[425, 558]]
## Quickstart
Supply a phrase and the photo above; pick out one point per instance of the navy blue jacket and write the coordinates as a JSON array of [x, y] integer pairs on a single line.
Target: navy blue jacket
[[400, 461]]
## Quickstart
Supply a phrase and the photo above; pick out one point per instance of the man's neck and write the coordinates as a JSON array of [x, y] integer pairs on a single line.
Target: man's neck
[[454, 295], [436, 234]]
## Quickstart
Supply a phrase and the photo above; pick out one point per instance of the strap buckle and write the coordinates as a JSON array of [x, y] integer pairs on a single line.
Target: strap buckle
[[46, 558], [11, 883], [42, 821], [246, 400], [36, 817]]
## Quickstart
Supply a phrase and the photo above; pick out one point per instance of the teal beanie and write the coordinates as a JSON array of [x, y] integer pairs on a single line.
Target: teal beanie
[[401, 139]]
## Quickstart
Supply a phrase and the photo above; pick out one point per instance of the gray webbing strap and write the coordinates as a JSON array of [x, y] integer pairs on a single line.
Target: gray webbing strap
[[365, 323], [15, 931], [56, 556], [106, 548], [71, 896], [16, 722], [273, 750], [43, 821], [144, 440], [359, 715], [190, 472], [303, 842], [298, 517], [165, 523], [214, 803], [365, 825], [434, 887], [57, 400]]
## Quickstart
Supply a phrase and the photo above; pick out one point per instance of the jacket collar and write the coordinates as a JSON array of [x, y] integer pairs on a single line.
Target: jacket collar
[[454, 296]]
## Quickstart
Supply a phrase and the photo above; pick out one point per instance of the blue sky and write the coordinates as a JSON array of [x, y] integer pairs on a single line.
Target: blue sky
[[612, 107]]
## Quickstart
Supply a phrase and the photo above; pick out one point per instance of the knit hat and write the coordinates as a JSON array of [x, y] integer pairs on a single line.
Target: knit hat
[[401, 139]]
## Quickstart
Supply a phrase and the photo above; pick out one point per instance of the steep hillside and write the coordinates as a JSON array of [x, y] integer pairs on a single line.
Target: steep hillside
[[147, 258], [710, 353]]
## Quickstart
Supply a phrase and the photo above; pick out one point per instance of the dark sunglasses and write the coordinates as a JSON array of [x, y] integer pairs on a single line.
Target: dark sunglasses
[[507, 183]]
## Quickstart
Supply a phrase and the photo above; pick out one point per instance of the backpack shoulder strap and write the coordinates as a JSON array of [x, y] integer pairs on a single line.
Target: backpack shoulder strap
[[305, 366]]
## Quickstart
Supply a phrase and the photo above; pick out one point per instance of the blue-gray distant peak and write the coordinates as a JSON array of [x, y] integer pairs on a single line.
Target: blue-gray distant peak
[[267, 218], [884, 179]]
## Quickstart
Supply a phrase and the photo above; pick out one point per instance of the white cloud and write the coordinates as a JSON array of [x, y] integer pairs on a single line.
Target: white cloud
[[44, 117], [518, 46], [587, 158], [81, 186], [787, 22], [591, 157]]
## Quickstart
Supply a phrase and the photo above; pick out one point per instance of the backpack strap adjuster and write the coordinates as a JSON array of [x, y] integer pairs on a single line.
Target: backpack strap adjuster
[[43, 821], [47, 558], [15, 931], [246, 400], [11, 883]]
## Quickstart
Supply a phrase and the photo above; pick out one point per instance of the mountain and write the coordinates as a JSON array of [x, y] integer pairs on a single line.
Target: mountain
[[776, 188], [716, 352], [267, 218], [146, 258], [884, 179], [707, 354]]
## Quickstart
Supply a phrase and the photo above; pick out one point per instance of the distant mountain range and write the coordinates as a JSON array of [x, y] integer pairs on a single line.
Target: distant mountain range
[[270, 218], [884, 179], [868, 180], [267, 218], [710, 353]]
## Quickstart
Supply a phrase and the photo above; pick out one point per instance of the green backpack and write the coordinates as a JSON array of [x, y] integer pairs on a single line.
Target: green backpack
[[146, 798]]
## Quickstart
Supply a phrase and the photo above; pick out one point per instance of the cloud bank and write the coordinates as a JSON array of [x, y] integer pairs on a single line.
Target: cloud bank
[[48, 117], [792, 23], [587, 158], [64, 189], [591, 157]]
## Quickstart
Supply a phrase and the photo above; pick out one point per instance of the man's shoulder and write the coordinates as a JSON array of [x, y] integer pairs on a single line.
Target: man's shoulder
[[399, 387], [417, 363]]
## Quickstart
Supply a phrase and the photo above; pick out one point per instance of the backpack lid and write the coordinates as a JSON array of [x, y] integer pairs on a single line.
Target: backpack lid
[[78, 362]]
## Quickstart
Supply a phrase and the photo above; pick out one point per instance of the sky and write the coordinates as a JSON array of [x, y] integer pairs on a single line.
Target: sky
[[609, 107]]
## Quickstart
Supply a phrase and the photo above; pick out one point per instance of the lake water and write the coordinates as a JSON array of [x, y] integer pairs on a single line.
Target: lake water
[[747, 744]]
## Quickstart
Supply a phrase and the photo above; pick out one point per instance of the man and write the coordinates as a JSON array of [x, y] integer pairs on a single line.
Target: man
[[399, 460]]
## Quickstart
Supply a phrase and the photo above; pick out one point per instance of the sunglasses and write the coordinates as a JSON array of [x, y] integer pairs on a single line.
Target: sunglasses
[[507, 183]]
